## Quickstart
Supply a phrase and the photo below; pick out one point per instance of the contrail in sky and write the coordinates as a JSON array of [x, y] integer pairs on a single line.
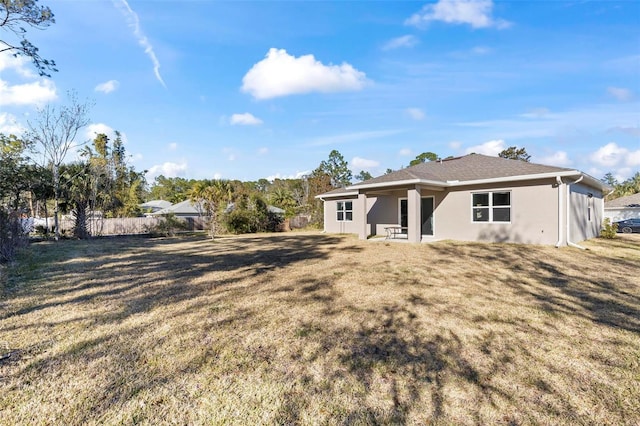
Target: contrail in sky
[[134, 22]]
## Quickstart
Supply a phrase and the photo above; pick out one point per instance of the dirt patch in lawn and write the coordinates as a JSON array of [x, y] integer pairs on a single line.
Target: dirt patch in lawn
[[320, 329]]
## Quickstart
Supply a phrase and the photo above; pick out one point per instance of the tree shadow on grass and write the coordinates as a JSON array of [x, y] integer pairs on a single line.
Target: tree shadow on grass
[[572, 279], [390, 355], [147, 273], [386, 351]]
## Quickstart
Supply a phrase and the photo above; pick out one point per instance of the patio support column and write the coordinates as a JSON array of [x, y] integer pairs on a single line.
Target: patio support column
[[413, 216], [362, 220]]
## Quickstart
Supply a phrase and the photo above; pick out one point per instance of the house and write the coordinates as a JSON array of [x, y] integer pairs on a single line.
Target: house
[[471, 198], [154, 205], [185, 208], [623, 208]]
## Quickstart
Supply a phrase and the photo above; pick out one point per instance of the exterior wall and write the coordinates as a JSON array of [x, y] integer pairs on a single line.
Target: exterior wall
[[384, 212], [586, 213], [534, 214], [333, 226], [621, 213]]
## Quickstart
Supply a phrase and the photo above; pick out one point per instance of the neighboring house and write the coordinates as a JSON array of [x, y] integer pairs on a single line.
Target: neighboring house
[[472, 198], [271, 209], [623, 208], [154, 205], [185, 208]]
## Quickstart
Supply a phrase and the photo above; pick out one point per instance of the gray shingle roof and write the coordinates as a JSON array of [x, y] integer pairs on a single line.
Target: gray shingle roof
[[158, 204], [186, 207], [467, 168], [624, 201]]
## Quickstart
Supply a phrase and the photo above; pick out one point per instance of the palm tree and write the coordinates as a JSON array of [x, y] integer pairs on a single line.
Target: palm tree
[[212, 196], [283, 198], [78, 191]]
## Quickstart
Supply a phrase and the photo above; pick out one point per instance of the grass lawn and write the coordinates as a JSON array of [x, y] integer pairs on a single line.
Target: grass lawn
[[320, 329]]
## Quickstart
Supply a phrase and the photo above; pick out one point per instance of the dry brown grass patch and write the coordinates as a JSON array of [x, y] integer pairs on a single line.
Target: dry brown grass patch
[[321, 329]]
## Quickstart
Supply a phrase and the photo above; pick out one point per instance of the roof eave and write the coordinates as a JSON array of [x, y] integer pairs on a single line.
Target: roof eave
[[518, 178], [354, 189], [396, 183], [338, 195]]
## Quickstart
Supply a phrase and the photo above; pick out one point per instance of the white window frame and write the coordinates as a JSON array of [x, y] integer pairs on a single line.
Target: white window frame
[[491, 207], [344, 211]]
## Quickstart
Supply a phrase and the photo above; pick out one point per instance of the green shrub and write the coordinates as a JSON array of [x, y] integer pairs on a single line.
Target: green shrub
[[241, 221], [609, 229], [250, 215]]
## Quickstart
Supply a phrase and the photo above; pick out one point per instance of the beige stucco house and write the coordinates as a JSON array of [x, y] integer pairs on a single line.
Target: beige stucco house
[[471, 198]]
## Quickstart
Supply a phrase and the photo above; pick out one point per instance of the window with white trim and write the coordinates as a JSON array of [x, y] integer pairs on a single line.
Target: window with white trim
[[491, 206], [344, 211]]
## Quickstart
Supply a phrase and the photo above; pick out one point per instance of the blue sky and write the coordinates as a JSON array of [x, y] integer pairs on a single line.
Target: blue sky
[[248, 90]]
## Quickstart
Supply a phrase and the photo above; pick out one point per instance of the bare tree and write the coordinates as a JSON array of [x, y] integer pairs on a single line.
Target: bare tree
[[55, 130]]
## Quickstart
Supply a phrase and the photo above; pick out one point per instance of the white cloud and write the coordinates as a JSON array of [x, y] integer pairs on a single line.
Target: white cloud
[[403, 41], [168, 169], [416, 113], [493, 147], [359, 163], [18, 64], [405, 152], [245, 119], [620, 94], [172, 146], [95, 129], [281, 74], [35, 93], [455, 144], [476, 13], [633, 159], [296, 175], [263, 151], [559, 159], [107, 86], [611, 155], [9, 124], [134, 23], [620, 174]]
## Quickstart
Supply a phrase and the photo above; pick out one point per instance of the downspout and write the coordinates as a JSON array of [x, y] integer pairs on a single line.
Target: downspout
[[560, 227], [324, 222], [569, 243]]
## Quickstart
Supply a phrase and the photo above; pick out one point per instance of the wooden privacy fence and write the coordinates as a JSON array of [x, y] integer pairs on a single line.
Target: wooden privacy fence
[[129, 225]]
